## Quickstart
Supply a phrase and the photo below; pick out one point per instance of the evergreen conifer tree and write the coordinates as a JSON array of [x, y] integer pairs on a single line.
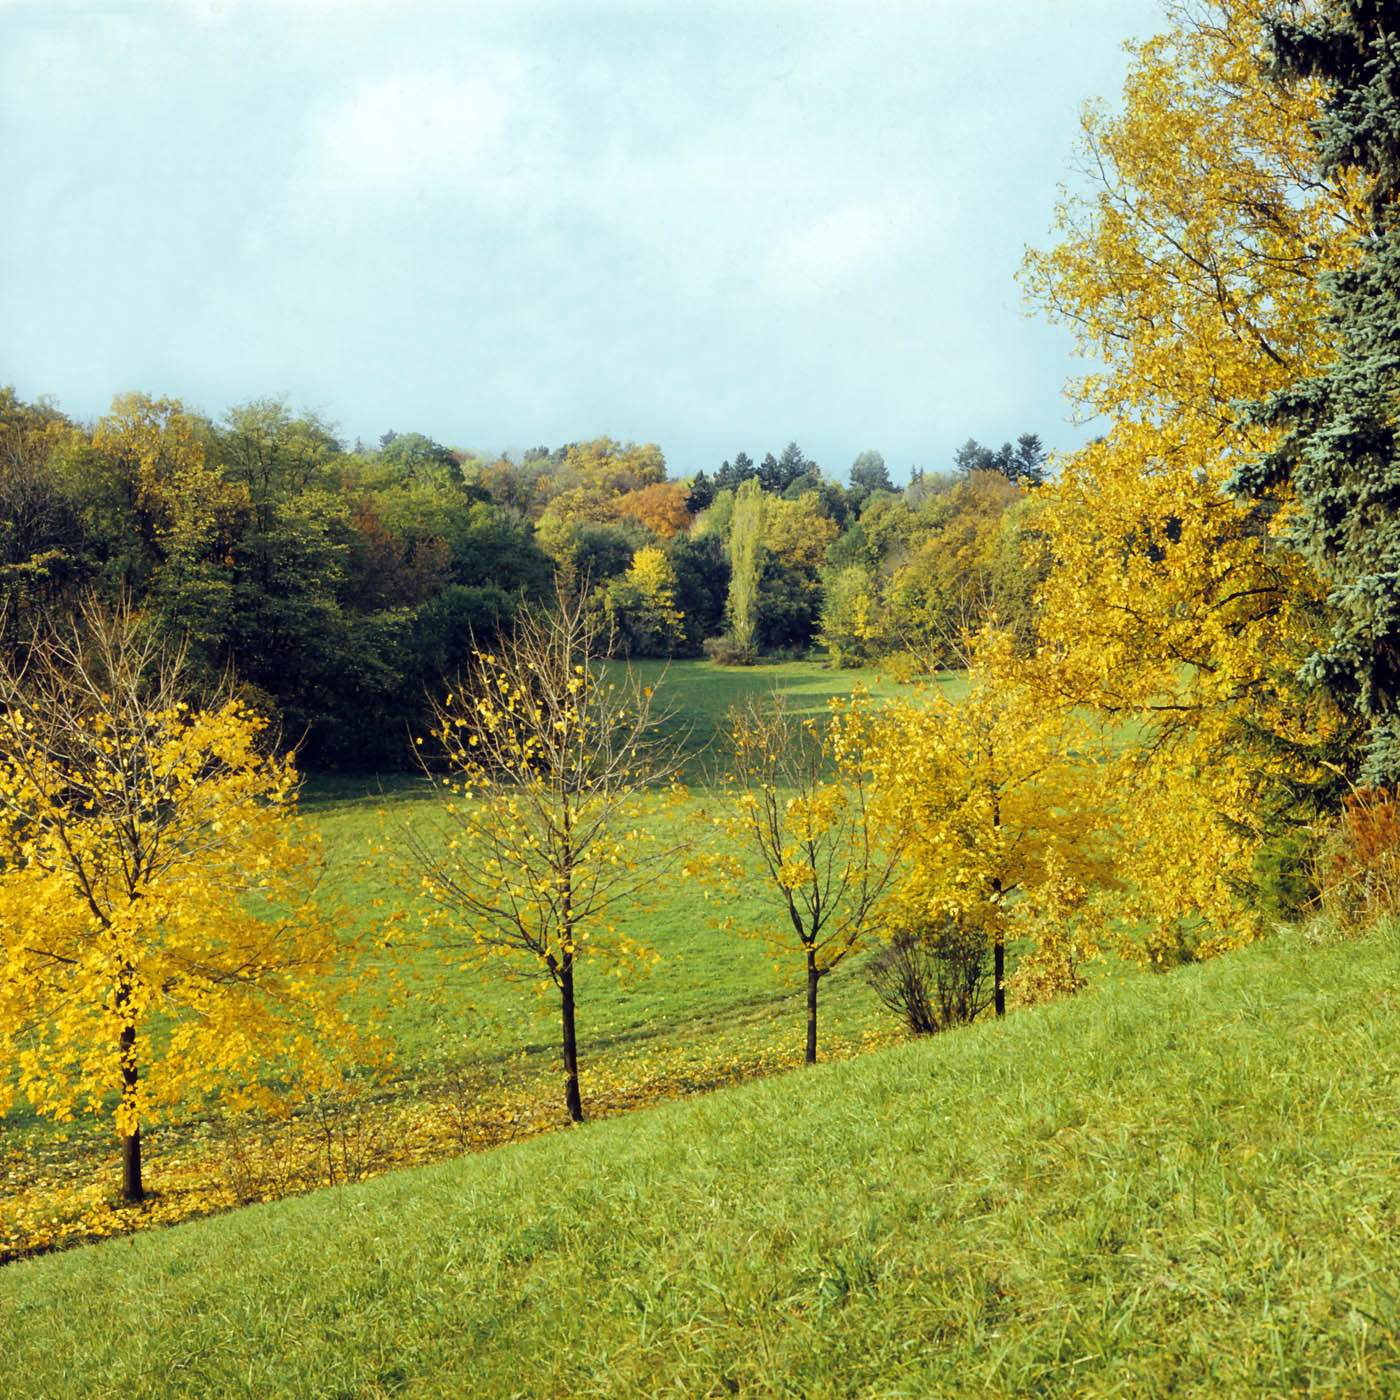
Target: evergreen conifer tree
[[1342, 453]]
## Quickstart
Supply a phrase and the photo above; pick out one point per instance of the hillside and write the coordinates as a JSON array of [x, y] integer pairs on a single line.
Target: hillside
[[1182, 1185]]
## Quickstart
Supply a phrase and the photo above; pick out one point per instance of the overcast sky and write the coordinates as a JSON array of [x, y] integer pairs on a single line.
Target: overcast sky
[[716, 226]]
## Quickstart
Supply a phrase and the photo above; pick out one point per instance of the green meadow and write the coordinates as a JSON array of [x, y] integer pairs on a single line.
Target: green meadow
[[705, 983], [706, 1008], [1179, 1185]]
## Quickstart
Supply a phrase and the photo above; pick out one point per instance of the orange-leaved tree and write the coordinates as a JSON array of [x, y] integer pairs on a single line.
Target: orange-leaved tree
[[801, 811], [557, 780], [159, 937]]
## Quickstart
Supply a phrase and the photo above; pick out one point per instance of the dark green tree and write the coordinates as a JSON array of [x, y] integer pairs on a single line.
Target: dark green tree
[[792, 464], [770, 475], [1342, 451], [1029, 460], [1023, 463], [702, 492], [702, 584], [732, 477]]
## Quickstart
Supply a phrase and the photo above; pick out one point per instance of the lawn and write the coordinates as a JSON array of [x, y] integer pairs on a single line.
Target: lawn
[[704, 979]]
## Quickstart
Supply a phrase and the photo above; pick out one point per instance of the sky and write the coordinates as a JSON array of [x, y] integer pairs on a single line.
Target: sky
[[713, 226]]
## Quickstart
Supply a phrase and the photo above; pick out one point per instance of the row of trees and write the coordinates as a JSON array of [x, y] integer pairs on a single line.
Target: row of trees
[[161, 938], [1204, 665]]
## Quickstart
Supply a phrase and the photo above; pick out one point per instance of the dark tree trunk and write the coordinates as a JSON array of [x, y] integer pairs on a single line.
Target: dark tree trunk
[[999, 951], [132, 1187], [566, 1006], [813, 977]]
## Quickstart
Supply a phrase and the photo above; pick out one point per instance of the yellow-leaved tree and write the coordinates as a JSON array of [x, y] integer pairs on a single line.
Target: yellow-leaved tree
[[558, 781], [801, 811], [641, 606], [152, 474], [1003, 801], [159, 937], [1188, 271]]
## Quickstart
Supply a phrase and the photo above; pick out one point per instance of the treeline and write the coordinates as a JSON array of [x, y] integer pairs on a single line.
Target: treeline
[[340, 583]]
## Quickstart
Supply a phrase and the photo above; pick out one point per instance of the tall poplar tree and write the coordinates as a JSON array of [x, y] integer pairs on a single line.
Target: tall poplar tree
[[1342, 455], [746, 564]]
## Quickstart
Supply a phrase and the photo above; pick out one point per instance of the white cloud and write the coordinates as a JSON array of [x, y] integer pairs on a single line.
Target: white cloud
[[841, 245], [422, 130]]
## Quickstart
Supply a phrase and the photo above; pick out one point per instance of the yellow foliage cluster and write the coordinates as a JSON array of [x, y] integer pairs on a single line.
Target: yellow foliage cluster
[[140, 901], [802, 812], [546, 834], [1003, 796], [654, 580], [661, 506], [555, 775], [1066, 929], [1189, 274]]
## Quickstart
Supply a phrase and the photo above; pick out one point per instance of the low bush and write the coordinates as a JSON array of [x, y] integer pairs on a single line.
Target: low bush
[[1357, 869], [934, 978], [725, 651]]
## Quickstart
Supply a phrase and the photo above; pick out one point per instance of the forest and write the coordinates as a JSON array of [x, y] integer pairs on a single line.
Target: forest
[[341, 585]]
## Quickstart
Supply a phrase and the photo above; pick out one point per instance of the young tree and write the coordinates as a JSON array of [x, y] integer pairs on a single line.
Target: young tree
[[555, 776], [151, 875], [1000, 792], [803, 807], [852, 618], [641, 607], [746, 556]]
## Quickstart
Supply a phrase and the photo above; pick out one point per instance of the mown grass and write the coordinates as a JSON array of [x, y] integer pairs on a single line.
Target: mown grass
[[1177, 1186]]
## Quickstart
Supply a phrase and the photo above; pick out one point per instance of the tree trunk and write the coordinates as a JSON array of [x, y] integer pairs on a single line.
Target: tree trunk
[[566, 1006], [999, 951], [999, 973], [813, 977], [132, 1187]]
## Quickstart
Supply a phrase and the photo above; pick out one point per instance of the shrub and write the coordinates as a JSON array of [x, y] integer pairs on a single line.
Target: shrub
[[726, 651], [938, 977], [1358, 861], [1284, 876], [903, 667]]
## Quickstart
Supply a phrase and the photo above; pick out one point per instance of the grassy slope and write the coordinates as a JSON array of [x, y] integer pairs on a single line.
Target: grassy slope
[[1183, 1185]]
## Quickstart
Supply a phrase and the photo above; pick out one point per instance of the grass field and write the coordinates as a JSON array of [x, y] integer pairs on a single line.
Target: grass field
[[704, 981], [1181, 1185]]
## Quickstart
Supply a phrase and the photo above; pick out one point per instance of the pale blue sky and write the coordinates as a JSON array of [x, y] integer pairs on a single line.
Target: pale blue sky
[[717, 226]]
